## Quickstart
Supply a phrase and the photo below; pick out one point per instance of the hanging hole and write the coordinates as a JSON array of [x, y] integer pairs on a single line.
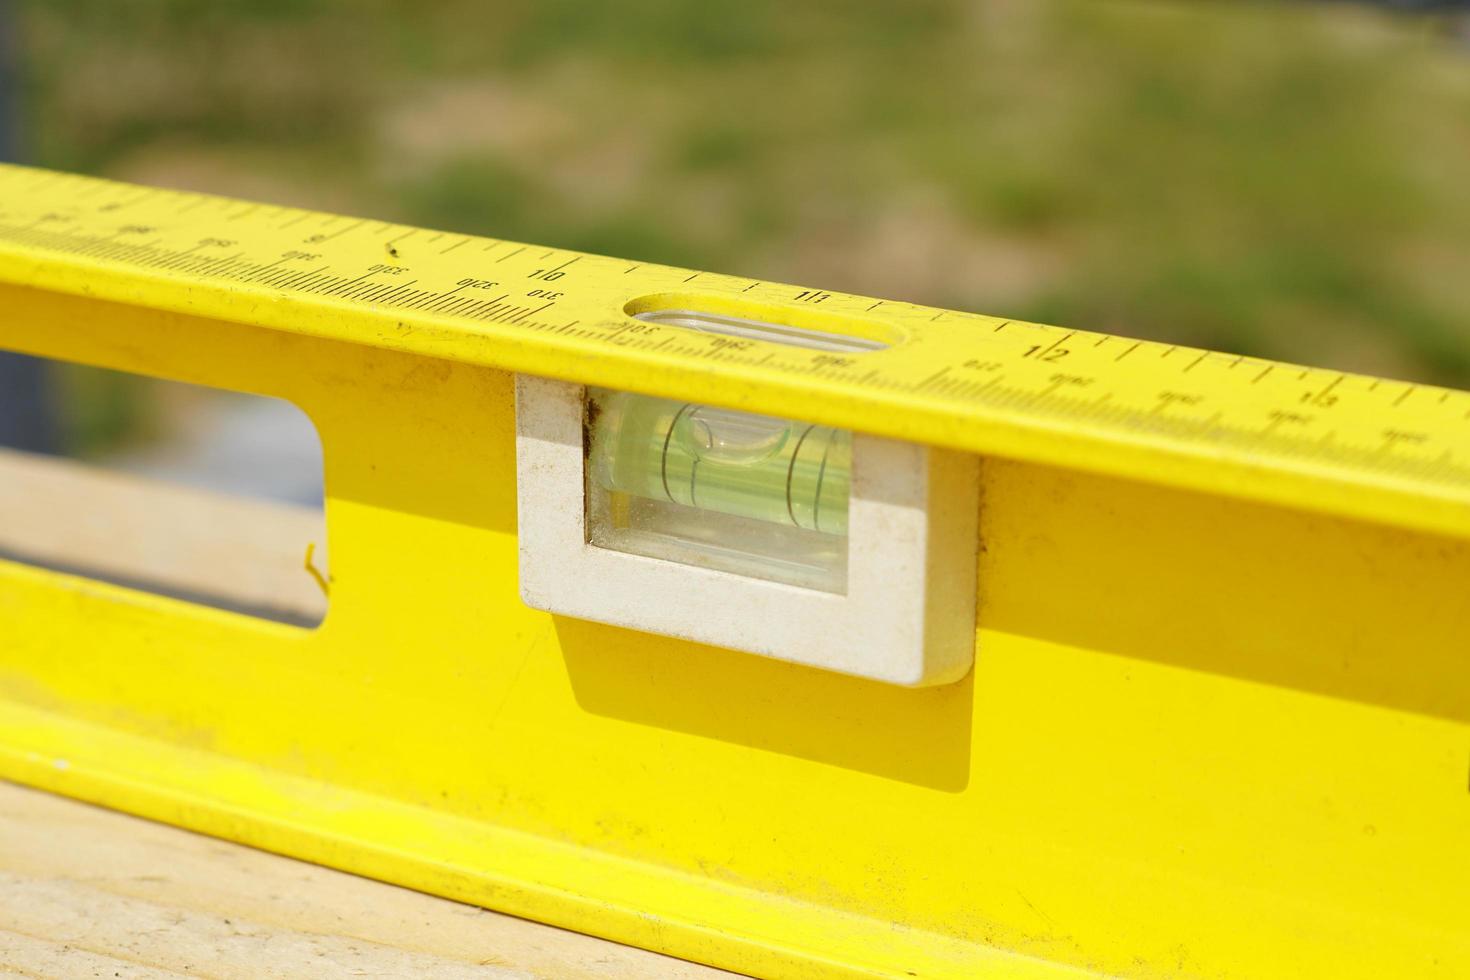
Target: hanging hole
[[813, 329]]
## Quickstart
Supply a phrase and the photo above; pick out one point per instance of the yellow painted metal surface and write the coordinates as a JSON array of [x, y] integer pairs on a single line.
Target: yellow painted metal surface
[[1218, 726]]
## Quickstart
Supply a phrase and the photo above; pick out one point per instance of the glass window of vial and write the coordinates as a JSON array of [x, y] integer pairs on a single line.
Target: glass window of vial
[[747, 494]]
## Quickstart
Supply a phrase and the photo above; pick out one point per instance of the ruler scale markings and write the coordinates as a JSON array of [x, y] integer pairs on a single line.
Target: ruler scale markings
[[355, 291], [186, 262], [282, 278], [318, 274], [420, 299], [400, 288], [411, 296], [293, 278], [230, 267], [335, 290], [460, 305], [475, 307], [327, 285], [445, 304], [396, 293], [1430, 432], [539, 309], [369, 292], [209, 263]]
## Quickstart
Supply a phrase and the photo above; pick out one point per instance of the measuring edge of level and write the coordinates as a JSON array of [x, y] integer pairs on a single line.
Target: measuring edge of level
[[1352, 445]]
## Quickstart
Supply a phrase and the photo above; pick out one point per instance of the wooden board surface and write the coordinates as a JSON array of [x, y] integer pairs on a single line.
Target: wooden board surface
[[229, 551], [86, 892]]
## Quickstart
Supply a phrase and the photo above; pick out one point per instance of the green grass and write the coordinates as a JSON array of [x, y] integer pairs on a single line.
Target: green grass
[[1275, 179]]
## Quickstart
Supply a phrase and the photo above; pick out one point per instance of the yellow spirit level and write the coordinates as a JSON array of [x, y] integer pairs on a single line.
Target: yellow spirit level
[[1209, 715]]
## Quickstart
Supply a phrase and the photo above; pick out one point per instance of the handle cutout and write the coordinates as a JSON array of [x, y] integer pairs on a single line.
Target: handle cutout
[[208, 496]]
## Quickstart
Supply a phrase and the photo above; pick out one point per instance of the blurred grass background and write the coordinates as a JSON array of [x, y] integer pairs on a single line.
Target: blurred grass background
[[1278, 179]]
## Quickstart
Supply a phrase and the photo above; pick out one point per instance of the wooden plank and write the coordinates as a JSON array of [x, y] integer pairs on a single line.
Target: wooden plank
[[86, 892], [230, 551]]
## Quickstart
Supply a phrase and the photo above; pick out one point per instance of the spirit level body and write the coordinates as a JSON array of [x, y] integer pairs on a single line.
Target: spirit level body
[[1218, 724]]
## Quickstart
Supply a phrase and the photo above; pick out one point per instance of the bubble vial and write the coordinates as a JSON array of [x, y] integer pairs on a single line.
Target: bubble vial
[[732, 491]]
